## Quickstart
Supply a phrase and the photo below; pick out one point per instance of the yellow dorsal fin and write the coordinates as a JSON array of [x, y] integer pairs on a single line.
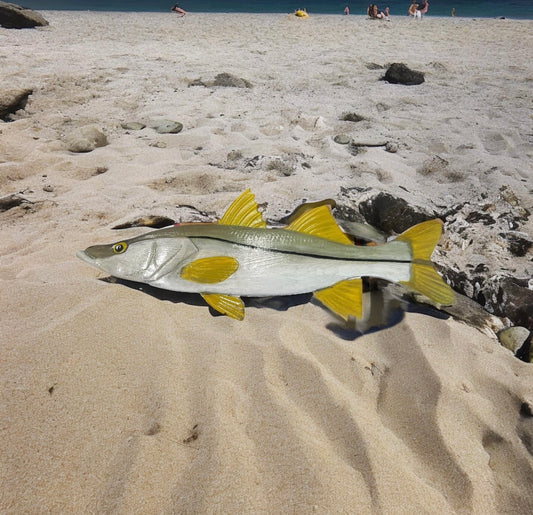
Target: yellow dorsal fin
[[225, 304], [426, 280], [243, 211], [344, 298], [423, 238], [210, 270], [319, 222]]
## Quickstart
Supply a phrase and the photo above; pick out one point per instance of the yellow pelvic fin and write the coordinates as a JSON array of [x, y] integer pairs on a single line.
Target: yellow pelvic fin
[[344, 298], [210, 270], [244, 212], [423, 238], [225, 304], [426, 280], [319, 222]]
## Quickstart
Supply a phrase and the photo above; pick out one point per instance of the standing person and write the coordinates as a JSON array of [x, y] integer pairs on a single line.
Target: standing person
[[413, 10], [423, 8], [387, 13], [178, 10], [346, 10]]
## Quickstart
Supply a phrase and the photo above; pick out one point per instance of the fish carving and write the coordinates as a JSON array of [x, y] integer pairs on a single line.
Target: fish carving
[[239, 256]]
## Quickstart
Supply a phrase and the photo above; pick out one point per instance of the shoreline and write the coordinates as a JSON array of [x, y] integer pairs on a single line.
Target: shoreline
[[311, 14]]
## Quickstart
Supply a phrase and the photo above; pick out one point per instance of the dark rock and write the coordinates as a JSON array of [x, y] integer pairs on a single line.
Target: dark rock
[[483, 218], [12, 100], [391, 214], [504, 296], [13, 16], [153, 221], [352, 117], [227, 80], [517, 245], [11, 201], [399, 73]]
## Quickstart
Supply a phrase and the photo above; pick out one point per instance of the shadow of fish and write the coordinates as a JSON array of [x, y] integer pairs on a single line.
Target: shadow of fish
[[240, 256]]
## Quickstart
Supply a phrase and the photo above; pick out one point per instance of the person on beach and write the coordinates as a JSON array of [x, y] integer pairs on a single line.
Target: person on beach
[[423, 7], [413, 10], [346, 11], [178, 10]]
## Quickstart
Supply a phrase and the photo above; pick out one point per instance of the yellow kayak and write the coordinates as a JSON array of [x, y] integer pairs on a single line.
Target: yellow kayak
[[301, 14]]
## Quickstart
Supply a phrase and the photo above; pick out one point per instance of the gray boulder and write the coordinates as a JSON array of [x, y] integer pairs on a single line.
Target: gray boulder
[[14, 16]]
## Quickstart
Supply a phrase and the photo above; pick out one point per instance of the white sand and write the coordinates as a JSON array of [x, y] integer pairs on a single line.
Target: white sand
[[102, 385]]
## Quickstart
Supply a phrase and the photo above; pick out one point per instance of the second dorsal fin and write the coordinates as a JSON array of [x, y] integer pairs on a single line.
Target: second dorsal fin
[[244, 212], [319, 222]]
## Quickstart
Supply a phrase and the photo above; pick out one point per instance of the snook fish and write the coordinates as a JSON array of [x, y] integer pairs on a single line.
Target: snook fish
[[239, 255]]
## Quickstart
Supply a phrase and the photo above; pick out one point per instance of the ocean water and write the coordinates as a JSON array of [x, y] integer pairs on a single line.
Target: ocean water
[[520, 9]]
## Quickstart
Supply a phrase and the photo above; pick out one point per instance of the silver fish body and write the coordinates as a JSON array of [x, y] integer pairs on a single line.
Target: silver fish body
[[240, 256]]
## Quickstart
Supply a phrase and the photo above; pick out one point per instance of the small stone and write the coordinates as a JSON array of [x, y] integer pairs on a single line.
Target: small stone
[[342, 139], [158, 144], [391, 147], [48, 188], [85, 139], [167, 127], [133, 126], [513, 338]]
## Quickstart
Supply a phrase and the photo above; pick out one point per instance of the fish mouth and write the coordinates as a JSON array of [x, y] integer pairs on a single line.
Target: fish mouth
[[84, 257]]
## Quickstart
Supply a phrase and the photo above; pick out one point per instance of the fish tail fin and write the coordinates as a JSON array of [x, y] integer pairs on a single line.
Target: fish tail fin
[[424, 278]]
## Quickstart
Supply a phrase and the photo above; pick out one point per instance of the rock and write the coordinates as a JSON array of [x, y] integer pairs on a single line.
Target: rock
[[85, 139], [153, 221], [11, 201], [227, 80], [391, 147], [167, 127], [391, 214], [502, 295], [342, 139], [14, 16], [513, 338], [399, 73], [517, 245], [12, 100], [132, 126], [352, 117]]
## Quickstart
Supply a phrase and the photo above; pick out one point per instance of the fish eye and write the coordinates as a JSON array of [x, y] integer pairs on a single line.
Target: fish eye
[[119, 248]]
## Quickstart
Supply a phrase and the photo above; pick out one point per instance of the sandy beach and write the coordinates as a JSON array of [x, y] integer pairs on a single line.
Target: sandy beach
[[117, 400]]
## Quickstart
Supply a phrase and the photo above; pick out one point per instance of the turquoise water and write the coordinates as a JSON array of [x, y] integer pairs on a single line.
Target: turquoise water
[[465, 8]]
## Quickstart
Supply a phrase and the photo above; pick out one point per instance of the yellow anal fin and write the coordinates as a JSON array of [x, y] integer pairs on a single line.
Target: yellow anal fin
[[423, 238], [244, 212], [426, 280], [319, 222], [344, 298], [225, 304], [210, 270]]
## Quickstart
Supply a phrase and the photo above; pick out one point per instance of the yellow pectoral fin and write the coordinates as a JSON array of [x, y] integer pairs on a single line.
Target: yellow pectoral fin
[[244, 212], [210, 270], [320, 222], [225, 304], [426, 280], [344, 298]]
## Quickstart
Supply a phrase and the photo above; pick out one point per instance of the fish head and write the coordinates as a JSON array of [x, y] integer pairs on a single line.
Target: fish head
[[143, 259]]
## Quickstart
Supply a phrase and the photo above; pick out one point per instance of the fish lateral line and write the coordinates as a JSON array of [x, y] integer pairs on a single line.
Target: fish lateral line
[[306, 254]]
